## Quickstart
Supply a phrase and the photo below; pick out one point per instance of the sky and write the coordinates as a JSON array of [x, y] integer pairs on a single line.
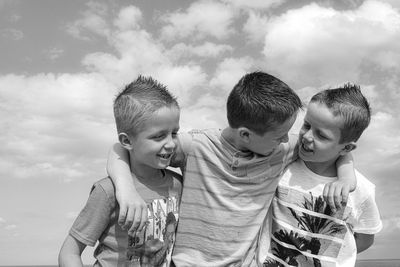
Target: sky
[[63, 62]]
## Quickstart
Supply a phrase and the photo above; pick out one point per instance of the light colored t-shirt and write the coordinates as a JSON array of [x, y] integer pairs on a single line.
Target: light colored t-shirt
[[98, 221], [225, 199], [301, 230]]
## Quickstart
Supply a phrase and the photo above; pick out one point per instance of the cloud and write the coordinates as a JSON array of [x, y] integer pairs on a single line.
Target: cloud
[[256, 27], [128, 18], [205, 50], [313, 45], [92, 21], [228, 73], [10, 227], [54, 53], [12, 34], [46, 120], [255, 4], [383, 134], [2, 220], [202, 19]]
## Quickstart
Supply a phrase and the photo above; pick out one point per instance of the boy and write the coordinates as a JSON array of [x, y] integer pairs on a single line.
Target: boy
[[304, 230], [230, 176], [147, 120]]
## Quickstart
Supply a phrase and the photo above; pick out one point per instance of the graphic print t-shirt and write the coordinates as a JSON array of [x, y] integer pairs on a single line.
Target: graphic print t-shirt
[[153, 245], [303, 229], [98, 221]]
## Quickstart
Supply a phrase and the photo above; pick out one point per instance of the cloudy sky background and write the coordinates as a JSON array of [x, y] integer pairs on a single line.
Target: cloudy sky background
[[62, 62]]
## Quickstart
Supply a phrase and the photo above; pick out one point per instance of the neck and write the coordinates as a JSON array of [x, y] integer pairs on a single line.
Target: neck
[[230, 135], [327, 169], [144, 173]]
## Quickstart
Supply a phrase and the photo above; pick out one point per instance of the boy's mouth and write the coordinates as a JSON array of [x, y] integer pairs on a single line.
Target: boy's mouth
[[305, 148], [165, 155]]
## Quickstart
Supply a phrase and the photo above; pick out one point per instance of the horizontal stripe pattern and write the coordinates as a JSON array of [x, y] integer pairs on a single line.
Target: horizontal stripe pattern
[[225, 199]]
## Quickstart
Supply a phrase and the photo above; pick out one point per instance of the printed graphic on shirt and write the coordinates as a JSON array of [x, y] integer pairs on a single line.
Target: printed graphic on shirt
[[153, 245], [305, 231]]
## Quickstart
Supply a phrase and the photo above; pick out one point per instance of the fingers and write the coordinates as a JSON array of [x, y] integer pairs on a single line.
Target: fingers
[[337, 195], [139, 220], [128, 224], [330, 197], [123, 209], [345, 194], [143, 220]]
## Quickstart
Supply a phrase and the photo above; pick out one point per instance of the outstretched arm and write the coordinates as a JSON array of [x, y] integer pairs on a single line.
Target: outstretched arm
[[133, 209], [336, 193], [363, 241], [70, 253]]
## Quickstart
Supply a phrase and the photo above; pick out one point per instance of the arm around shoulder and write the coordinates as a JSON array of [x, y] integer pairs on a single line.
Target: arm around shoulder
[[133, 209], [70, 253], [336, 193]]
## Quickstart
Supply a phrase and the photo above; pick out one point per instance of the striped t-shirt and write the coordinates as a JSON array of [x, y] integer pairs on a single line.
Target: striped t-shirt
[[226, 195]]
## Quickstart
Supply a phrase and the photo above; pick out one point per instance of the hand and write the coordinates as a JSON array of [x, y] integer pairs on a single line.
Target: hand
[[132, 211], [336, 194]]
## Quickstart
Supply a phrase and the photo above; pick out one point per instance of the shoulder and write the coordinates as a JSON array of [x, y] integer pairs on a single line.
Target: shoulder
[[104, 188], [205, 134], [199, 138], [364, 186]]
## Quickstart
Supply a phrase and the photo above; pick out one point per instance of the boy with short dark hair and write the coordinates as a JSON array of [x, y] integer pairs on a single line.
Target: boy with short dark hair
[[302, 229], [147, 120], [230, 176]]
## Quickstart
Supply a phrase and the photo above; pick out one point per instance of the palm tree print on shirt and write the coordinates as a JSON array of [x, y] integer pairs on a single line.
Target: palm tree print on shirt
[[309, 223]]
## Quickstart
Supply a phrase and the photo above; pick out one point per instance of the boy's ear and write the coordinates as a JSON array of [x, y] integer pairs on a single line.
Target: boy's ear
[[125, 141], [244, 134], [349, 147]]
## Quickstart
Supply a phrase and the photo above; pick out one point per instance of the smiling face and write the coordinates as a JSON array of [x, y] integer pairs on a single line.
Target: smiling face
[[320, 136], [154, 145], [266, 143]]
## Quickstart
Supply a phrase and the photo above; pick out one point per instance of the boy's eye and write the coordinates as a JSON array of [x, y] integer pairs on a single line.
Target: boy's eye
[[321, 135], [158, 137]]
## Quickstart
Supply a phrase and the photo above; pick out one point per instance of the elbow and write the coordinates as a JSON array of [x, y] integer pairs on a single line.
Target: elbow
[[364, 242]]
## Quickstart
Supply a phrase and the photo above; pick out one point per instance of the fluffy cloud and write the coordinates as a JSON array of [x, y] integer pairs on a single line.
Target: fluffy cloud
[[228, 73], [205, 50], [255, 4], [256, 27], [128, 18], [200, 20], [47, 119], [12, 34], [92, 21], [316, 45]]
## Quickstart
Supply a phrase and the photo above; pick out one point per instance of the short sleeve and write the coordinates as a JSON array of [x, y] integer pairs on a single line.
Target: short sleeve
[[94, 217], [369, 221]]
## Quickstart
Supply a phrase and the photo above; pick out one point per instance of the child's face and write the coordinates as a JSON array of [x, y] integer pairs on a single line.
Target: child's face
[[320, 135], [155, 144], [265, 144]]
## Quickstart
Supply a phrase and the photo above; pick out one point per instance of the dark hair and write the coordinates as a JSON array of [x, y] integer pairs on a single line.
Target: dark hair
[[349, 103], [138, 101], [260, 102]]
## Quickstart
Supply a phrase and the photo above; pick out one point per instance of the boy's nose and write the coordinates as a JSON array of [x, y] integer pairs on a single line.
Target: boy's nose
[[170, 144], [307, 136]]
